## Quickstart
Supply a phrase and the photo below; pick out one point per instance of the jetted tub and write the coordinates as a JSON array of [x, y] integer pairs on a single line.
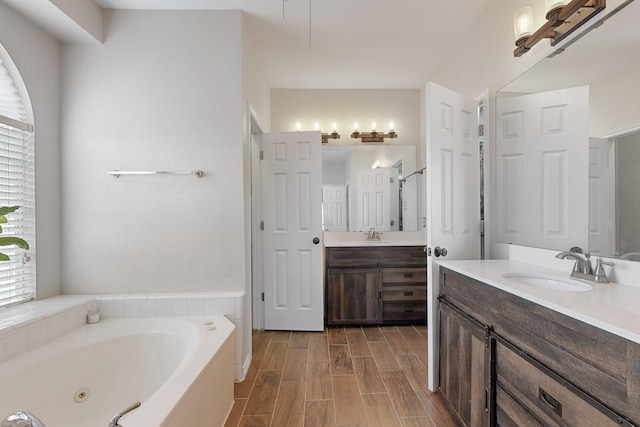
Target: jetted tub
[[180, 369]]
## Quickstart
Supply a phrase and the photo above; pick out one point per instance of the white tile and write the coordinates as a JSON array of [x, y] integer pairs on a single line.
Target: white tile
[[228, 306], [195, 305], [15, 343], [239, 308], [55, 326], [74, 319], [147, 308], [130, 308], [211, 305], [111, 308], [179, 307], [163, 307], [36, 335]]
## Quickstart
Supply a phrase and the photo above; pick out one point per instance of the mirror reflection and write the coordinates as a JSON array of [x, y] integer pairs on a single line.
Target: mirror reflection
[[365, 187], [568, 146]]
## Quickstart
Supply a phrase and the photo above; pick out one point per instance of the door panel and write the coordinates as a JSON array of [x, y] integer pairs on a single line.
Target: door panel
[[292, 197], [542, 149], [602, 191], [453, 193]]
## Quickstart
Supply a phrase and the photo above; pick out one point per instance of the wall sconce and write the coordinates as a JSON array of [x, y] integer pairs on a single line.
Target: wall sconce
[[333, 135], [373, 136], [562, 20]]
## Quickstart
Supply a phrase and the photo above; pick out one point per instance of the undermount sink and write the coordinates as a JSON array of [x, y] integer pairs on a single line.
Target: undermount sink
[[548, 282]]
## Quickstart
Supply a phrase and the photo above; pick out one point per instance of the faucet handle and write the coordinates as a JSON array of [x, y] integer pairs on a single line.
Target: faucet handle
[[600, 274]]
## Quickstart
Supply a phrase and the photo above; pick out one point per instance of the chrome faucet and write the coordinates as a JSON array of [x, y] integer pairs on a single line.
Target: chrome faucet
[[116, 417], [582, 268], [373, 235], [21, 419]]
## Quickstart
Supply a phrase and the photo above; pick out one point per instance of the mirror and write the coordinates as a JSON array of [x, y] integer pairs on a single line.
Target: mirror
[[575, 183], [369, 186]]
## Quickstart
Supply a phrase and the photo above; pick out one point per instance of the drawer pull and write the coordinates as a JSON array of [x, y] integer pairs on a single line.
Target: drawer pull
[[552, 403], [408, 275], [408, 294], [408, 310]]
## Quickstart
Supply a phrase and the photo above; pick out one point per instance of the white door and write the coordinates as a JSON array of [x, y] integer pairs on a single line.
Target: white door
[[334, 207], [453, 195], [373, 191], [602, 233], [542, 148], [292, 200]]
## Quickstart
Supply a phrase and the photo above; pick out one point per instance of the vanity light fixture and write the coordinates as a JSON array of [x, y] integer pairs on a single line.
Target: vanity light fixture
[[562, 20], [333, 135], [374, 136]]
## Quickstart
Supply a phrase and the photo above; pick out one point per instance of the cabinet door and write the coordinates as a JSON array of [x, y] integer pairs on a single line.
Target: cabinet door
[[465, 366], [354, 296]]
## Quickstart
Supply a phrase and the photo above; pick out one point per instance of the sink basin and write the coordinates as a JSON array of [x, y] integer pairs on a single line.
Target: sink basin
[[548, 282]]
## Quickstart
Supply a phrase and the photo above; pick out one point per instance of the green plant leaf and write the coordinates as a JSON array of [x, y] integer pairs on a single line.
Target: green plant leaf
[[11, 240], [8, 209], [3, 219], [4, 257]]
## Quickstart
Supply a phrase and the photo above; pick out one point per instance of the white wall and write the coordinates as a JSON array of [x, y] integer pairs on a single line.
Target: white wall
[[36, 55], [613, 102], [164, 92]]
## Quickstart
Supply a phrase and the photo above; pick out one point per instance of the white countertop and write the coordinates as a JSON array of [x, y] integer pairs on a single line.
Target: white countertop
[[387, 238], [609, 306]]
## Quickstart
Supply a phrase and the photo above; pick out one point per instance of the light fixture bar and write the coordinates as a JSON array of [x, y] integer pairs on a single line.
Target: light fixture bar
[[560, 23], [332, 135]]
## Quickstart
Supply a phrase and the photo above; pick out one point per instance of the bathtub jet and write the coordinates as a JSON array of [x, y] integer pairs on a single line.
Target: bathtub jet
[[21, 419]]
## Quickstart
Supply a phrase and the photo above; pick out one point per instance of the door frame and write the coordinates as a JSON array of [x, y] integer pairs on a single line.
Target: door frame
[[257, 285]]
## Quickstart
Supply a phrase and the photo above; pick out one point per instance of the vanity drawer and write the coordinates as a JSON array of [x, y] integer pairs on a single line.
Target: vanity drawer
[[409, 312], [401, 293], [404, 275], [521, 384]]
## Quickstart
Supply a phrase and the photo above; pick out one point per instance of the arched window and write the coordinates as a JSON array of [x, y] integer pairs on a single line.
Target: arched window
[[17, 186]]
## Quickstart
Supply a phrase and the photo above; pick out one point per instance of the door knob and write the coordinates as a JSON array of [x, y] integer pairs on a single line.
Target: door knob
[[316, 240], [438, 251]]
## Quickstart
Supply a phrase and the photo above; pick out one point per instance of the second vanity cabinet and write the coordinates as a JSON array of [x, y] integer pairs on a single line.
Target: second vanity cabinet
[[376, 285], [506, 361]]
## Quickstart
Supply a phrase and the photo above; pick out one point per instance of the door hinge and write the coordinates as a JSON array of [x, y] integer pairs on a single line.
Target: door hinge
[[262, 225], [482, 227], [262, 296], [261, 155], [480, 130], [391, 180], [427, 250]]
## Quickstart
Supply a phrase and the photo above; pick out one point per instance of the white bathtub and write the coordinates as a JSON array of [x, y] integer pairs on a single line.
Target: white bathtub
[[180, 369]]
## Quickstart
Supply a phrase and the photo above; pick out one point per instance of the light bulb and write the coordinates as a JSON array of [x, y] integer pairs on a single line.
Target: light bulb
[[523, 23], [316, 126], [391, 125], [373, 125], [298, 126], [334, 127], [355, 125]]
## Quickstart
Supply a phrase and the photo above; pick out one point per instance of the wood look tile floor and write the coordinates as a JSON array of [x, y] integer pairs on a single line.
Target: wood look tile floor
[[345, 376]]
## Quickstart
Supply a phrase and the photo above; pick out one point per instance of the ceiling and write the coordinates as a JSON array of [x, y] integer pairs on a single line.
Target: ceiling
[[337, 44]]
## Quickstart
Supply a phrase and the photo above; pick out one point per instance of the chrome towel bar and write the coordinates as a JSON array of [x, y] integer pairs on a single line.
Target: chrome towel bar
[[116, 173]]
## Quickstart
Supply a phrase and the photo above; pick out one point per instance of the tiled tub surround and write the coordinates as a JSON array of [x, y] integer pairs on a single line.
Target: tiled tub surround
[[30, 325], [228, 304]]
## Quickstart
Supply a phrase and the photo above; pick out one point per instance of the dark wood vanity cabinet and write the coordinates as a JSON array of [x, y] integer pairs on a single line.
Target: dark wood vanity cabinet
[[465, 365], [545, 368], [376, 285]]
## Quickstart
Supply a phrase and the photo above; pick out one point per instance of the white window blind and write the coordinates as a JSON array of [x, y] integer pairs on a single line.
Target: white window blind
[[17, 188]]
